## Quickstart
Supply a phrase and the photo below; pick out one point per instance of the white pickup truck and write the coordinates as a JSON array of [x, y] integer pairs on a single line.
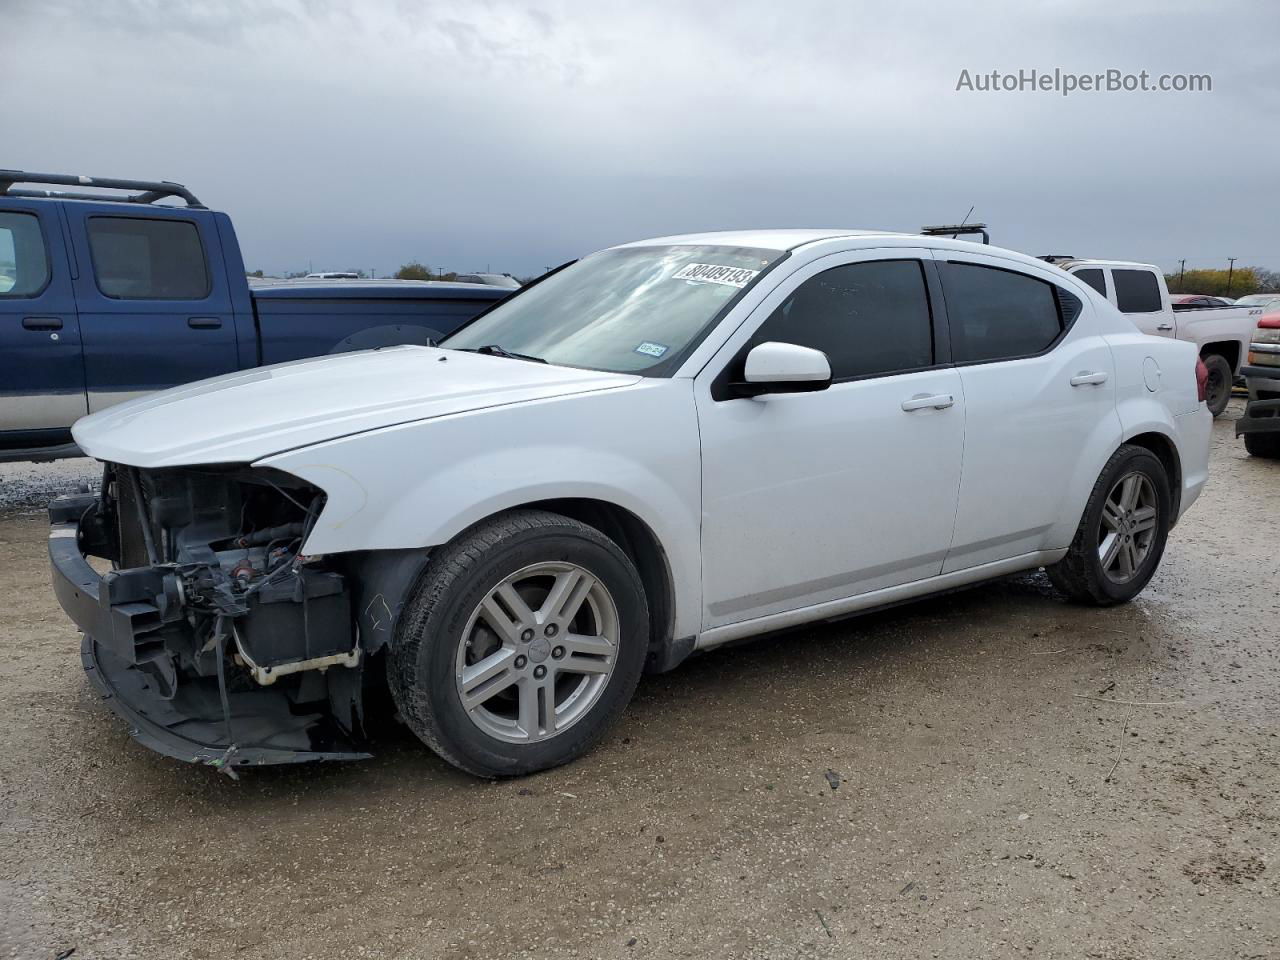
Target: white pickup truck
[[1138, 290]]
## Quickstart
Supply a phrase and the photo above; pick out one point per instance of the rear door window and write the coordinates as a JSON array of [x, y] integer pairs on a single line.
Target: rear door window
[[137, 259], [24, 263], [1137, 291], [998, 314]]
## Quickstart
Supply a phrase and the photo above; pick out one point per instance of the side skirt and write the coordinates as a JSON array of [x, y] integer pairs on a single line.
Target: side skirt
[[877, 598]]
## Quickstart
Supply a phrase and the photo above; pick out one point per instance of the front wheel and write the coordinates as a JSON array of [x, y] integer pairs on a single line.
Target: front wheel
[[522, 644], [1122, 534], [1217, 389]]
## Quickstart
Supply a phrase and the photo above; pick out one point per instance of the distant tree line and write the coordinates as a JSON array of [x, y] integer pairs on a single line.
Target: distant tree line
[[419, 271], [1214, 283]]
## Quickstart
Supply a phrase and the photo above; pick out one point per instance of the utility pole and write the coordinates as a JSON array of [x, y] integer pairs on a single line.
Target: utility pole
[[1182, 272], [1231, 266]]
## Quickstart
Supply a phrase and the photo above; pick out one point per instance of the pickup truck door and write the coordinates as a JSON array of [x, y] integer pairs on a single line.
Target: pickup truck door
[[154, 299], [812, 497], [42, 388]]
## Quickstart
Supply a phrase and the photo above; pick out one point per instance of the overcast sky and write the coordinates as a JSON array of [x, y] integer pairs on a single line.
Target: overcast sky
[[518, 135]]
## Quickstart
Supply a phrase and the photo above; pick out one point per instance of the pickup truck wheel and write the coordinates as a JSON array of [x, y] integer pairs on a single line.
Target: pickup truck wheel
[[1265, 445], [1122, 534], [1217, 390], [522, 644]]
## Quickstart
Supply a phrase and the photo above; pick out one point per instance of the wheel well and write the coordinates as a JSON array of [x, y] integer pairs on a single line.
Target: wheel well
[[643, 547], [1227, 349], [1167, 454]]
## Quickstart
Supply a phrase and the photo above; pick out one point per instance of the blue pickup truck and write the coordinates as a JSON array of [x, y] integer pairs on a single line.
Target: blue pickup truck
[[106, 296]]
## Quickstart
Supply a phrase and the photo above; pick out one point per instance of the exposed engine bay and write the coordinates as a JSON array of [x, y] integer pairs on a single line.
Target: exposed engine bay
[[218, 637]]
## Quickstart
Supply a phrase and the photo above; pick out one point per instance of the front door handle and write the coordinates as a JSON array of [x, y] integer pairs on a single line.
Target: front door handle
[[1165, 326], [204, 323], [938, 401], [42, 323], [1085, 377]]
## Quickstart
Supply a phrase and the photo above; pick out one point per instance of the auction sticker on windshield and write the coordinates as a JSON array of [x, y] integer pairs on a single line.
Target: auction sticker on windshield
[[716, 273]]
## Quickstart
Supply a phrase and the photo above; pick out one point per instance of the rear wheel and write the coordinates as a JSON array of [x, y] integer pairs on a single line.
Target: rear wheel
[[1122, 534], [1217, 390], [522, 645], [1265, 445]]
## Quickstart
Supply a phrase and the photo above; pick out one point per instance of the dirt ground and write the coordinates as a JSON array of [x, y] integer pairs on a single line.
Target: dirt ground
[[941, 780]]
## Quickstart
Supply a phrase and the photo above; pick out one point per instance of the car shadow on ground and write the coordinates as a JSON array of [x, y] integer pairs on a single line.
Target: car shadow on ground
[[966, 637]]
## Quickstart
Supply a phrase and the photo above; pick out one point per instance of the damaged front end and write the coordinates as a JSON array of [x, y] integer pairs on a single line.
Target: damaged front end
[[212, 634]]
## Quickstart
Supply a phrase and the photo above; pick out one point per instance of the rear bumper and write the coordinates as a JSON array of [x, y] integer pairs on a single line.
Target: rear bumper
[[1260, 416], [1194, 432], [183, 720]]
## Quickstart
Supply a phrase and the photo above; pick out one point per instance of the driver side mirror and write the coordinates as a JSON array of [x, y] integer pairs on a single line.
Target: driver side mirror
[[783, 368]]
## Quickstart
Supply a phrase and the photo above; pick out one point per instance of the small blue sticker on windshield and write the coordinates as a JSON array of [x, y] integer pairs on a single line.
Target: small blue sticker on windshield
[[651, 349]]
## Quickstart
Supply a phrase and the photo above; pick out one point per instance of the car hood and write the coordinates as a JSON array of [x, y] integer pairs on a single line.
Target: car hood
[[242, 417]]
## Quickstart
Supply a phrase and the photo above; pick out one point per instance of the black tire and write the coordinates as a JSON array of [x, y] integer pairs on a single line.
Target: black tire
[[1265, 445], [421, 667], [1217, 391], [1080, 575]]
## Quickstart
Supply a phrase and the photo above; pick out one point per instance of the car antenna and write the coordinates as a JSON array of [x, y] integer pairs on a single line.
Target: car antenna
[[954, 230]]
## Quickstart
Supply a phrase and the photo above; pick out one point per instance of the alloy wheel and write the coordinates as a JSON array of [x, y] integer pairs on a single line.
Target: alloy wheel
[[1128, 528], [537, 652]]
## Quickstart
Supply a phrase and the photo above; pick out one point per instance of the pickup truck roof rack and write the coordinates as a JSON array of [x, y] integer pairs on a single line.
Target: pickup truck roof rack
[[149, 190], [956, 230]]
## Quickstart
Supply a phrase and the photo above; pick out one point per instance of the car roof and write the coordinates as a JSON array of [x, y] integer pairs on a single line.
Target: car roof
[[1128, 264], [794, 239], [779, 239]]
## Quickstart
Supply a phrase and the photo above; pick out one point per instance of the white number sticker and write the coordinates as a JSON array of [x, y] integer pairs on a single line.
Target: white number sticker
[[715, 273]]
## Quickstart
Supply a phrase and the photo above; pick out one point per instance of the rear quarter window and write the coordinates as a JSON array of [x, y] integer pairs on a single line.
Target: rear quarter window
[[1094, 278], [137, 259], [24, 264], [1137, 291]]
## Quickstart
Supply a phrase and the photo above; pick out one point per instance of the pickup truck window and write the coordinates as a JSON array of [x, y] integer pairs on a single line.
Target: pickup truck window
[[1136, 291], [868, 318], [1094, 278], [999, 314], [137, 259], [625, 310], [24, 265]]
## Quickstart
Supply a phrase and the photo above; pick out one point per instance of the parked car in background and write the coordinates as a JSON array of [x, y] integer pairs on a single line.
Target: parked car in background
[[1260, 425], [332, 275], [1267, 301], [665, 447], [1221, 334], [491, 279], [109, 297]]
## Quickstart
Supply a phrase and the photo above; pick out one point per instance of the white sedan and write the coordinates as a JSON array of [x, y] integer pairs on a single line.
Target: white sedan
[[663, 447]]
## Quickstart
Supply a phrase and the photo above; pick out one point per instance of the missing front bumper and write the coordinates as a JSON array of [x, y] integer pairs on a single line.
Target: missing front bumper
[[124, 612]]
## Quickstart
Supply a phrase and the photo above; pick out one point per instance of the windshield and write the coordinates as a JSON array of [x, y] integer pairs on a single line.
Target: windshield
[[626, 310]]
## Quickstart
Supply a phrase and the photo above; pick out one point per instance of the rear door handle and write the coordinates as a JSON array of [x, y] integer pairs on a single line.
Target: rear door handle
[[42, 323], [938, 401], [1165, 326], [204, 323], [1084, 377]]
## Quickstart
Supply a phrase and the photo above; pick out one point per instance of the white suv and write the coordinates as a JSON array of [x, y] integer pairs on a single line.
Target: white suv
[[666, 446]]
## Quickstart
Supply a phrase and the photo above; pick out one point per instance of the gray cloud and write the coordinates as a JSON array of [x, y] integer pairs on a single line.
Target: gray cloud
[[517, 135]]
